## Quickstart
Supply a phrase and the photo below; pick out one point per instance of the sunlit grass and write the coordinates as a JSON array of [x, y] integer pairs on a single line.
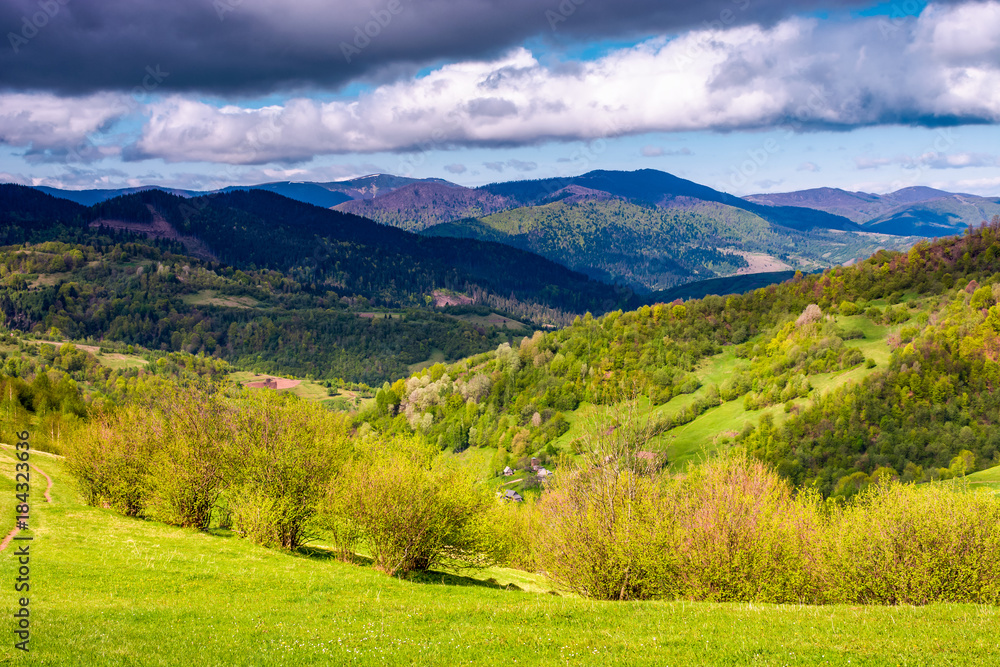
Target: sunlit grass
[[108, 590]]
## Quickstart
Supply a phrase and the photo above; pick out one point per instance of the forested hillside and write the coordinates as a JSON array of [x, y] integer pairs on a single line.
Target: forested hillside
[[909, 339], [140, 294], [659, 247]]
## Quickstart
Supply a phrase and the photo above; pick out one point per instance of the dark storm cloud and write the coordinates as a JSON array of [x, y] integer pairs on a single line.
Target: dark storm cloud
[[256, 46]]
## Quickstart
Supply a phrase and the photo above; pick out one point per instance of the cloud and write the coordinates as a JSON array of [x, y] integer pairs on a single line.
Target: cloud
[[871, 163], [517, 165], [522, 166], [799, 74], [456, 168], [658, 151], [931, 160], [261, 46], [936, 160], [808, 166], [54, 128], [768, 183]]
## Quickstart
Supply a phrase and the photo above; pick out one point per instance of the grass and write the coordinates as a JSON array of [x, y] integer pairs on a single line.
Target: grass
[[306, 389], [492, 320], [989, 478], [693, 441], [437, 357], [107, 590], [210, 297]]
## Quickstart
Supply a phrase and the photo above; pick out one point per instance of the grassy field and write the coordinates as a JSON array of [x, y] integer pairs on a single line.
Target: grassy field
[[210, 297], [437, 357], [494, 320], [693, 441], [108, 590], [989, 478], [306, 389]]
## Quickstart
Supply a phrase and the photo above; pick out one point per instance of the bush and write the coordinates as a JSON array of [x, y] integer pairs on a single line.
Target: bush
[[603, 535], [901, 544], [741, 535], [185, 473], [414, 510], [109, 457], [280, 457]]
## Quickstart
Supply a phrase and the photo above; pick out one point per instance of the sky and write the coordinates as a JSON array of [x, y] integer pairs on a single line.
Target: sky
[[745, 96]]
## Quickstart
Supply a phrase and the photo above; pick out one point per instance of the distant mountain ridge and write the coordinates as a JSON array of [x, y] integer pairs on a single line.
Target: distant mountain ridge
[[647, 229], [919, 211], [325, 195], [416, 207]]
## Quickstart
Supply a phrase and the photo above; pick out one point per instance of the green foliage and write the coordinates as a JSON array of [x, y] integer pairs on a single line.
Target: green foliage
[[415, 510], [110, 459], [656, 247], [182, 455], [741, 534], [901, 544]]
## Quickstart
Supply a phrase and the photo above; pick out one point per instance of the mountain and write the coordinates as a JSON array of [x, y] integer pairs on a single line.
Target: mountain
[[353, 255], [415, 207], [942, 216], [91, 197], [651, 247], [918, 211], [326, 195]]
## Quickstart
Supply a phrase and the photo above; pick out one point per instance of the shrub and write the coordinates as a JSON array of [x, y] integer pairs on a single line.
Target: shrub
[[741, 535], [185, 473], [901, 544], [602, 531], [280, 456], [109, 457], [602, 534], [415, 510]]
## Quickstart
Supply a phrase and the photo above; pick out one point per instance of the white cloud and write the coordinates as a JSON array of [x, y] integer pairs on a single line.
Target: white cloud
[[808, 166], [47, 124], [659, 151], [799, 74], [930, 160]]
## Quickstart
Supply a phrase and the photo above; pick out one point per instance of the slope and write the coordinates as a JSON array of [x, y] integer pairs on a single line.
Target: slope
[[658, 247], [357, 257], [882, 368], [173, 596]]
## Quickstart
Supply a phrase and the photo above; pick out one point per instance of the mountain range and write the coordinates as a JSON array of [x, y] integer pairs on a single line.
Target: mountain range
[[645, 229], [918, 211]]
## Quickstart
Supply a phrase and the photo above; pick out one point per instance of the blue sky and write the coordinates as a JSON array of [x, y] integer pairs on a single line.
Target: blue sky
[[741, 96]]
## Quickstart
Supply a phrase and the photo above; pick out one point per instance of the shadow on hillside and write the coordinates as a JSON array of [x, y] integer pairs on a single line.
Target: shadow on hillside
[[323, 553], [449, 579], [429, 577]]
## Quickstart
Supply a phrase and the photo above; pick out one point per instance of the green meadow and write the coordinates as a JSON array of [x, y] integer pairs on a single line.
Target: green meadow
[[110, 590]]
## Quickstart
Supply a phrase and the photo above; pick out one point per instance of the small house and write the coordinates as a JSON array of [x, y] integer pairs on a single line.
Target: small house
[[513, 496], [542, 472], [508, 471], [535, 463]]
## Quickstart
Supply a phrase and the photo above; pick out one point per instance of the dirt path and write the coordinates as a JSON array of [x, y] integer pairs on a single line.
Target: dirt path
[[48, 497]]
